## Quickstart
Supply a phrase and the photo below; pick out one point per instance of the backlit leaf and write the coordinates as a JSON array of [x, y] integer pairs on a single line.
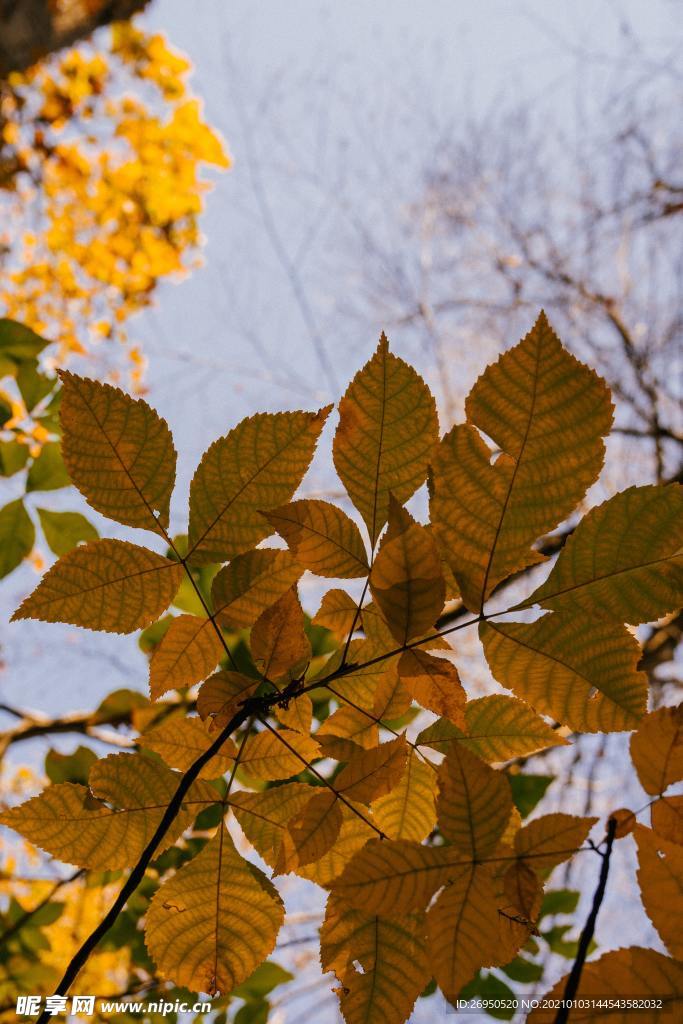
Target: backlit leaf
[[408, 811], [211, 924], [406, 580], [552, 839], [108, 584], [373, 772], [657, 749], [269, 756], [258, 465], [337, 613], [462, 928], [660, 877], [220, 696], [48, 472], [187, 654], [387, 431], [315, 829], [667, 818], [264, 817], [279, 645], [250, 583], [118, 451], [474, 803], [624, 560], [547, 413], [180, 741], [297, 714], [631, 973], [392, 954], [355, 833], [321, 537], [107, 826], [582, 673], [434, 683]]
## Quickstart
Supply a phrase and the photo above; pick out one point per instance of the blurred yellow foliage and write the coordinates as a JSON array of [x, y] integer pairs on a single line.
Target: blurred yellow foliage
[[101, 152]]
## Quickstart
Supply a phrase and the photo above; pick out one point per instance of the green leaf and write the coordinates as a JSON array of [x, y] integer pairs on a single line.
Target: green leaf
[[265, 978], [17, 536], [48, 472], [13, 457], [64, 530], [69, 767], [19, 342], [488, 986], [33, 385], [559, 901], [624, 561], [527, 790], [524, 971]]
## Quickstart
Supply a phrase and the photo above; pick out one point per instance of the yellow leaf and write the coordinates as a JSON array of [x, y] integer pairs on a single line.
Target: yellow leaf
[[354, 834], [297, 715], [279, 645], [187, 654], [667, 818], [392, 954], [657, 749], [258, 465], [390, 877], [434, 683], [264, 817], [624, 561], [220, 696], [582, 673], [406, 580], [108, 825], [625, 974], [250, 583], [108, 584], [474, 803], [269, 756], [321, 537], [552, 839], [337, 613], [462, 928], [660, 877], [408, 811], [547, 413], [180, 741], [349, 725], [387, 431], [118, 452], [211, 924], [373, 772], [316, 828]]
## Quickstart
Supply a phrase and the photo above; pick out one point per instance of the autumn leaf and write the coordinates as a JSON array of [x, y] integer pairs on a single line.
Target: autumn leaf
[[406, 581], [547, 414], [107, 826], [629, 974], [264, 817], [497, 728], [180, 741], [118, 452], [474, 803], [657, 749], [250, 583], [373, 772], [268, 756], [583, 674], [211, 924], [624, 560], [315, 829], [552, 839], [220, 696], [387, 431], [109, 585], [279, 645], [660, 877], [321, 537], [337, 613], [187, 654], [434, 683], [408, 810], [667, 818], [393, 957], [258, 465]]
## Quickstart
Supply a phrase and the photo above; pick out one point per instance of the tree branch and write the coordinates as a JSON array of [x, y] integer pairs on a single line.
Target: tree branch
[[572, 986]]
